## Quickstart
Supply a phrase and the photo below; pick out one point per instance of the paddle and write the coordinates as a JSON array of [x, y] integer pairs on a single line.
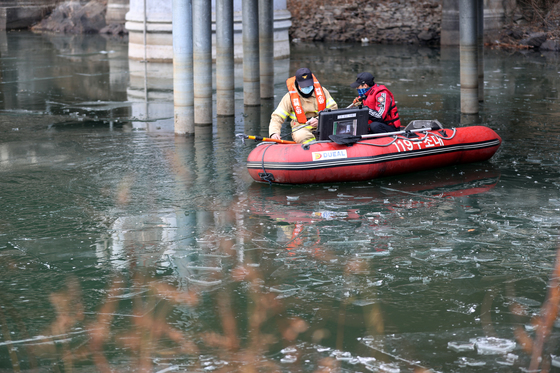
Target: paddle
[[414, 126], [259, 138]]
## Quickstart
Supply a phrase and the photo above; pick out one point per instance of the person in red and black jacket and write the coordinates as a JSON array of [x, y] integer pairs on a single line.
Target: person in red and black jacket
[[383, 113]]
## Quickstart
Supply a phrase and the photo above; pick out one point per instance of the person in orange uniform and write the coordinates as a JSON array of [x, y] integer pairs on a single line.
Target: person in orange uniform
[[383, 113], [303, 102]]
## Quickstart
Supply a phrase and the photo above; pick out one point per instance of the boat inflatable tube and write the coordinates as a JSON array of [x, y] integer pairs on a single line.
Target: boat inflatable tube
[[371, 157]]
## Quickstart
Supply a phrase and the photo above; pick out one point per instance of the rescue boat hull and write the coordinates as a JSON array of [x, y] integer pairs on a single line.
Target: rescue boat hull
[[325, 162]]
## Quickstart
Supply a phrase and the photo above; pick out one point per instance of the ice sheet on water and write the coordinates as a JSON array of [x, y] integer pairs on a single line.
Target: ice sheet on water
[[289, 350], [374, 253], [364, 302], [469, 362], [374, 283], [204, 281], [464, 308], [348, 242], [493, 345], [526, 302], [341, 355], [288, 359], [484, 257], [389, 368], [460, 343], [422, 255], [441, 249], [366, 360], [342, 195], [509, 360], [460, 346], [283, 288], [461, 275], [410, 288]]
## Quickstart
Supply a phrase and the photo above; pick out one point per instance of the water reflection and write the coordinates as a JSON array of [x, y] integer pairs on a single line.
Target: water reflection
[[354, 201], [126, 250]]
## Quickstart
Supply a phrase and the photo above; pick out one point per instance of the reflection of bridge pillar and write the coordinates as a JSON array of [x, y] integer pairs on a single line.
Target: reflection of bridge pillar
[[159, 26], [118, 66], [204, 165], [252, 119], [204, 171], [267, 107], [151, 92], [225, 184]]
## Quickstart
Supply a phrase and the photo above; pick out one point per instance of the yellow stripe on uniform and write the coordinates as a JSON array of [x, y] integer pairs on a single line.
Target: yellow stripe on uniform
[[300, 127], [281, 113]]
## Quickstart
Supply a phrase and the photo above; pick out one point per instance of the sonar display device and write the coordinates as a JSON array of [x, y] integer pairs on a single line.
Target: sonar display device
[[351, 121]]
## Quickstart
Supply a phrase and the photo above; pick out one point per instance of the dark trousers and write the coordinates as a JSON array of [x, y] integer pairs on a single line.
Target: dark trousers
[[380, 127]]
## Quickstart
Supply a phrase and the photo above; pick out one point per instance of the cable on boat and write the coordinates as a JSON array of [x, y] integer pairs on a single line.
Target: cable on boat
[[266, 176]]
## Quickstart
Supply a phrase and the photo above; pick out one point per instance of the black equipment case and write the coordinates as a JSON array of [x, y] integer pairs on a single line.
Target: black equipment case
[[351, 121]]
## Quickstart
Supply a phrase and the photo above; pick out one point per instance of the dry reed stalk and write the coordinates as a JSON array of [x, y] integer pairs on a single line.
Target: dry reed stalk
[[99, 331], [548, 315], [123, 189], [11, 350]]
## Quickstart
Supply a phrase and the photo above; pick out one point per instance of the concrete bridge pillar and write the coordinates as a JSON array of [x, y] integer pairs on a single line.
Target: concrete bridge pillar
[[116, 11], [494, 16]]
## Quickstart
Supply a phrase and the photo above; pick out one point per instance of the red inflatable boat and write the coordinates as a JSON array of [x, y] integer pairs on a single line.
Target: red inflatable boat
[[422, 145]]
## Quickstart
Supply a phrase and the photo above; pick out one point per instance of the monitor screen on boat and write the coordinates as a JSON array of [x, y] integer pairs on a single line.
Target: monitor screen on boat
[[347, 121], [345, 127]]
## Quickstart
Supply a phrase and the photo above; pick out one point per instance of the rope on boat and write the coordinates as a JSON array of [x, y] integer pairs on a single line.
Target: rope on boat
[[266, 176]]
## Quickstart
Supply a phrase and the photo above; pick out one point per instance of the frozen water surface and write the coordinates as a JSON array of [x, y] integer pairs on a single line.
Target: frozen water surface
[[110, 223], [493, 346]]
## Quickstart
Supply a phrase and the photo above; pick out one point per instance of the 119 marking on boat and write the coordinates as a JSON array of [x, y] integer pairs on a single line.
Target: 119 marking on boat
[[404, 145]]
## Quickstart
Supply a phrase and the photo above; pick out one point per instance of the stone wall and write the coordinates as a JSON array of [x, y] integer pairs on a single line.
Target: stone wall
[[375, 21]]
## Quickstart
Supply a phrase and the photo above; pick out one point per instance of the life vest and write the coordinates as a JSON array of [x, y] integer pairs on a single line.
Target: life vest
[[381, 99], [296, 100]]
